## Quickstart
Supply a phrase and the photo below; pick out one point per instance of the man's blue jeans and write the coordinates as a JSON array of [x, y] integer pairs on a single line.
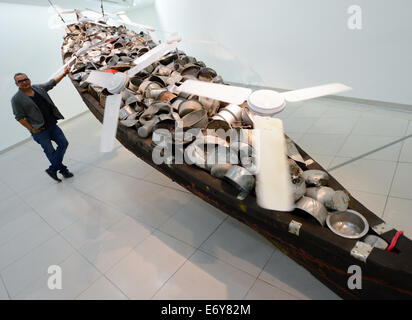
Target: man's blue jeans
[[55, 156]]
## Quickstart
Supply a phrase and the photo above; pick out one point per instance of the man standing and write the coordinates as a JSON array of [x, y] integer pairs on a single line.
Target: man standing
[[35, 110]]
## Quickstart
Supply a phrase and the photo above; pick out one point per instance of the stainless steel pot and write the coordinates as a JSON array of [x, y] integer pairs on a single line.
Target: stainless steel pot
[[331, 199], [241, 179], [314, 208]]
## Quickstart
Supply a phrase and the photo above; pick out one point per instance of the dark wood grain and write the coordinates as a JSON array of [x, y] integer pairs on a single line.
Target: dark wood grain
[[385, 275]]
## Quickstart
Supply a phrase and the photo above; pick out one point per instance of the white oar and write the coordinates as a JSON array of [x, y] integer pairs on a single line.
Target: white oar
[[115, 83]]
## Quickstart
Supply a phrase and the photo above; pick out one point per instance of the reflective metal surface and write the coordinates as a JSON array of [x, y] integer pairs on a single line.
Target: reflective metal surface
[[240, 178], [334, 200], [314, 208], [348, 224], [376, 242], [316, 178]]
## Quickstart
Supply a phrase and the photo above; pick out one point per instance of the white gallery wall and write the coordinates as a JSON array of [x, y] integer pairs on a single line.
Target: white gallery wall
[[290, 44], [28, 45], [284, 44]]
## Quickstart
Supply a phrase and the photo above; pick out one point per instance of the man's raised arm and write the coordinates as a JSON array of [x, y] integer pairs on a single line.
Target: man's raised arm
[[60, 77]]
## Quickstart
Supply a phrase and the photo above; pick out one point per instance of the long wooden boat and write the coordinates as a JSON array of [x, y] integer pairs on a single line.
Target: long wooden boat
[[385, 275]]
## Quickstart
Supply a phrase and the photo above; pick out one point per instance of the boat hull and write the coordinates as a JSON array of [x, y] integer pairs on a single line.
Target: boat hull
[[385, 275]]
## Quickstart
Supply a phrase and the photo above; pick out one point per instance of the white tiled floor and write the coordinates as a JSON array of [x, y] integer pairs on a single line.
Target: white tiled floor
[[121, 230]]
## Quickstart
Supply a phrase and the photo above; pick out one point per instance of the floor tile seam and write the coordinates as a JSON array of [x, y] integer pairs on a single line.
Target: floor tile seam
[[274, 248], [112, 206], [173, 215], [24, 229], [354, 160], [104, 229], [98, 279], [188, 258], [56, 233], [4, 286], [27, 253], [132, 248], [400, 198], [261, 271], [294, 111], [344, 142], [270, 284], [405, 162], [283, 290], [393, 179], [378, 149], [329, 134], [372, 193], [351, 134], [78, 250], [44, 219], [44, 276], [271, 255], [166, 221], [311, 126], [230, 264], [130, 176]]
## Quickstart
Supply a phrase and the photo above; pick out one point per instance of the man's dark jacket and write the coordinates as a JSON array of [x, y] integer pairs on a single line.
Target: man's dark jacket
[[24, 107]]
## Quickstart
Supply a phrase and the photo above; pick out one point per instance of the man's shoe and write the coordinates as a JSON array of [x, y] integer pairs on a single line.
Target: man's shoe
[[53, 175], [67, 174]]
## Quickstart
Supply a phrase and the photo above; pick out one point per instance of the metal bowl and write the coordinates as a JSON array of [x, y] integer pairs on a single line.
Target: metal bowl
[[189, 106], [348, 224], [195, 119]]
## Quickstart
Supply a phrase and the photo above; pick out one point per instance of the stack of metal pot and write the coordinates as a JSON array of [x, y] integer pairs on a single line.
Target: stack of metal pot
[[149, 101]]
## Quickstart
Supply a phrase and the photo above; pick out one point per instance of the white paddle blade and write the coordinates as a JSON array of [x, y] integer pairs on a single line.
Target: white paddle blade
[[151, 56], [126, 20], [101, 79], [273, 181], [60, 70], [221, 92], [110, 120], [315, 92]]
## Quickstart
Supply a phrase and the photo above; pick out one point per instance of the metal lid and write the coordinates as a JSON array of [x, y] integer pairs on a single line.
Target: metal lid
[[266, 102], [118, 82]]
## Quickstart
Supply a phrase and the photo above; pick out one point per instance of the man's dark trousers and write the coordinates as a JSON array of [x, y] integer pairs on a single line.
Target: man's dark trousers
[[55, 156]]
